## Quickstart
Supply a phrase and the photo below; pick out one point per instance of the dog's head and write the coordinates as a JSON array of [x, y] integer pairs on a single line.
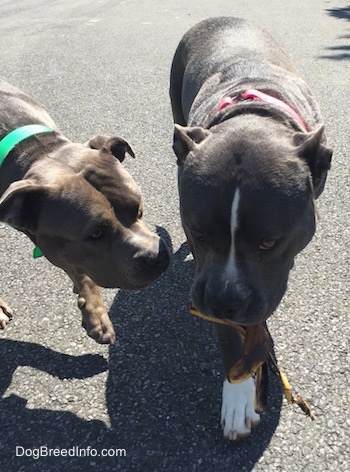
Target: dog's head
[[247, 205], [84, 210]]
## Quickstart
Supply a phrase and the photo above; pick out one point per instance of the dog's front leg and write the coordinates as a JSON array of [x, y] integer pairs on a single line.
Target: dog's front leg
[[238, 414], [5, 314], [95, 318]]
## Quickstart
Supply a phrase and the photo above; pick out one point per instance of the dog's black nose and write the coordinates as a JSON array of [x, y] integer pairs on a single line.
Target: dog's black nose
[[159, 260], [231, 304]]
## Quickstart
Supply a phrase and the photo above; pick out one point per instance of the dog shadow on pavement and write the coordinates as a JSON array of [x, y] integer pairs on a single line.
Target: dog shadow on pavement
[[24, 428], [163, 393]]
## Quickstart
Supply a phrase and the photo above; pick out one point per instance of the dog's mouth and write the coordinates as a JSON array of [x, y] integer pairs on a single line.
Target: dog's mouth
[[133, 274], [255, 313], [257, 345]]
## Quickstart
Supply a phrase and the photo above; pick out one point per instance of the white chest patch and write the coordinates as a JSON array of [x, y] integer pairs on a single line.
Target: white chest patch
[[231, 268]]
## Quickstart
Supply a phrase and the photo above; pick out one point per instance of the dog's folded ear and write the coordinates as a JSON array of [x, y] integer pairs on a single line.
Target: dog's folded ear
[[186, 139], [114, 145], [311, 148], [20, 205]]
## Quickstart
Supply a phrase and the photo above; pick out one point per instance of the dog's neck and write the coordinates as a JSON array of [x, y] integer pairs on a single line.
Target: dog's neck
[[21, 157], [256, 96], [18, 135], [252, 94]]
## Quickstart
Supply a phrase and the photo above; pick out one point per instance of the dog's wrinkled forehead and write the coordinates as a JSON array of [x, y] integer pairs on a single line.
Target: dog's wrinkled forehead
[[97, 199], [274, 183], [115, 183]]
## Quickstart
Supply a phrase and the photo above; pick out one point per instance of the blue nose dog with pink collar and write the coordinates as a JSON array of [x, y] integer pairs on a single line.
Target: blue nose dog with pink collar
[[252, 158]]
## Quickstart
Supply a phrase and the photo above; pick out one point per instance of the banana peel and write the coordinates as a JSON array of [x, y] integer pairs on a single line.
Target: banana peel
[[256, 352], [261, 389], [257, 345], [288, 392]]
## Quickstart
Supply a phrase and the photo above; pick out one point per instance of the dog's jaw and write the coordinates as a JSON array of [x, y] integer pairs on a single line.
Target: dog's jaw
[[237, 412]]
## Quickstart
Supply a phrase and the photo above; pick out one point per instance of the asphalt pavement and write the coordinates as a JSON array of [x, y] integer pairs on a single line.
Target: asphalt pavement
[[152, 401]]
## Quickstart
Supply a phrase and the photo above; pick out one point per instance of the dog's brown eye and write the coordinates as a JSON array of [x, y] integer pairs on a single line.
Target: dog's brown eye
[[268, 244], [97, 234]]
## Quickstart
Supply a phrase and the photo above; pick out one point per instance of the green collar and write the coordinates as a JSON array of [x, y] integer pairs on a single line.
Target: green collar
[[15, 137]]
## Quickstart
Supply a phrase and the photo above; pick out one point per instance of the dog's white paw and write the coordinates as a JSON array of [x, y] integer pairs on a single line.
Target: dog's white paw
[[237, 413]]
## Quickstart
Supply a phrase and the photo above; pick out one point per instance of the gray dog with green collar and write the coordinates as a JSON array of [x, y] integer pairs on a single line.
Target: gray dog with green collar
[[78, 204], [252, 159]]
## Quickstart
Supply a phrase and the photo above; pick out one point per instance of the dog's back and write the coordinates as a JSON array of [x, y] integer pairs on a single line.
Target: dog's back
[[220, 56]]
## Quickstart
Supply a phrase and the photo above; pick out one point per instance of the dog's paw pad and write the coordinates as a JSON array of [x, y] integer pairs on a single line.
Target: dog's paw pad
[[237, 414], [4, 320], [102, 334], [102, 337], [5, 314], [106, 338], [99, 327]]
